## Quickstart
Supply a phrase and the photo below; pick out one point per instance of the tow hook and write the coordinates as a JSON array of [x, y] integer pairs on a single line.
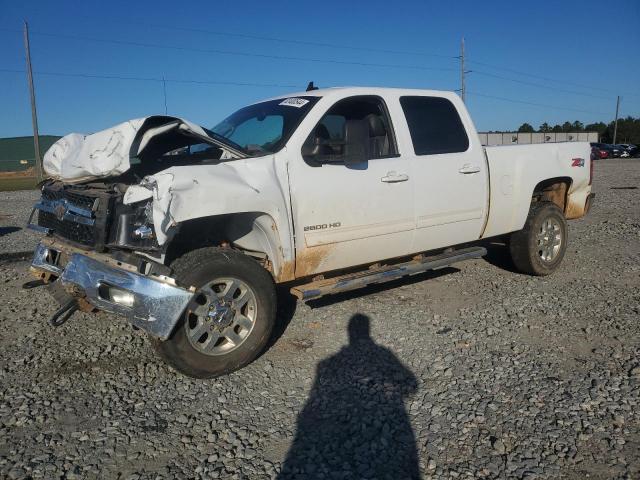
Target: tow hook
[[33, 284], [64, 313]]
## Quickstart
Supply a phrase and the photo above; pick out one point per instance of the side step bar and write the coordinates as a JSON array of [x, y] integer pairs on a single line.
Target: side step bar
[[382, 274]]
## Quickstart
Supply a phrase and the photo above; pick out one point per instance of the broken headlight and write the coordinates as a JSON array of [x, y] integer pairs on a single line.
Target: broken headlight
[[133, 227]]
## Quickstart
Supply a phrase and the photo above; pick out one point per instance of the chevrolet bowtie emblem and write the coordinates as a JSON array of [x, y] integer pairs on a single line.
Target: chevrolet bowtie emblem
[[59, 212]]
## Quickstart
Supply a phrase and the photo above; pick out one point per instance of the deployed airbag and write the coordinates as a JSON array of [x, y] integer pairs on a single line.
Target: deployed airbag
[[77, 157]]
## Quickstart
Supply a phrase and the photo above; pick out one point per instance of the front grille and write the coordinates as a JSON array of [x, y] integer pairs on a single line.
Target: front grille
[[74, 198], [76, 232], [98, 201]]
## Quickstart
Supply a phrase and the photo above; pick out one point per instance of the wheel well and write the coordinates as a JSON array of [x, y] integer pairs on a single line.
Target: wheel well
[[552, 190], [254, 233]]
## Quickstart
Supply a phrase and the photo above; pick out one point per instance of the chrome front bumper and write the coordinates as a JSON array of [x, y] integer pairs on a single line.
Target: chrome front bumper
[[157, 302]]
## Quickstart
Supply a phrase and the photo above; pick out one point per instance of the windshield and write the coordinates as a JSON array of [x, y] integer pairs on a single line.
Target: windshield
[[265, 127]]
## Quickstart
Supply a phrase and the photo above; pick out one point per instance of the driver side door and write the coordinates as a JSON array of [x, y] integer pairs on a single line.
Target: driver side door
[[351, 190]]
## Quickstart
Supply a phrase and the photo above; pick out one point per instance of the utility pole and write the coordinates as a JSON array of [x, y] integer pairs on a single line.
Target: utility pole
[[615, 125], [164, 91], [462, 72], [34, 115]]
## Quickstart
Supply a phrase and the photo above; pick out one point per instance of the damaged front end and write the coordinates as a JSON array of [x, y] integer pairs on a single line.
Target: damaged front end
[[114, 201], [93, 216], [102, 251], [133, 288]]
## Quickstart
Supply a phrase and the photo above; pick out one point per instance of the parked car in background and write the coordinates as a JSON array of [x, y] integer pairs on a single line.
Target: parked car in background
[[601, 150], [624, 152], [598, 153], [631, 149], [614, 151], [621, 150]]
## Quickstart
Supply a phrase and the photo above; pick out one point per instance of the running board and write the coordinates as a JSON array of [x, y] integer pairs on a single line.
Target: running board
[[382, 274]]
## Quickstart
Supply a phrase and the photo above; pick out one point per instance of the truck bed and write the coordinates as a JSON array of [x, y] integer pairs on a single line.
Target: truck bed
[[516, 170]]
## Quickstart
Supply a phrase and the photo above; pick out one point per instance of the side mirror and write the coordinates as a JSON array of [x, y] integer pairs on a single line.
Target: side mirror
[[311, 148]]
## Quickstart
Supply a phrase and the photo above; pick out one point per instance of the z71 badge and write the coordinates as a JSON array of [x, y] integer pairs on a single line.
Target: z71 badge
[[577, 162]]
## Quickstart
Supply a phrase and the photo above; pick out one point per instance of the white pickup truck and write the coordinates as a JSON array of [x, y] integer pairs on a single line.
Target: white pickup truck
[[186, 231]]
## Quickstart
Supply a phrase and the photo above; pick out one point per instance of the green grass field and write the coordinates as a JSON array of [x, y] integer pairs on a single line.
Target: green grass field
[[9, 184]]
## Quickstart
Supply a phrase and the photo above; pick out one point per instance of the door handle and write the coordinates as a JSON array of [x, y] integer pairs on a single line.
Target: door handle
[[468, 168], [393, 177]]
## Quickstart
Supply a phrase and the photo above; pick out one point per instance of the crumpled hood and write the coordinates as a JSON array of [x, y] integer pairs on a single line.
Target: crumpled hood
[[77, 157]]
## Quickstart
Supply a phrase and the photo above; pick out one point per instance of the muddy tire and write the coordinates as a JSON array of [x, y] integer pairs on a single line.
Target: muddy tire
[[538, 249], [229, 320]]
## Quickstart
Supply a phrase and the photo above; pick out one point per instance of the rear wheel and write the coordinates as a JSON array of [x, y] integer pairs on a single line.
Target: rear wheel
[[230, 318], [538, 249]]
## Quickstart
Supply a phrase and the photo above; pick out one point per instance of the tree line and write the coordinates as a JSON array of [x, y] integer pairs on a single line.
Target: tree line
[[628, 129]]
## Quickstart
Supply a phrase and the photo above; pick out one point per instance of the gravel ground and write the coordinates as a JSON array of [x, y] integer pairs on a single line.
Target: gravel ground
[[15, 208], [469, 372]]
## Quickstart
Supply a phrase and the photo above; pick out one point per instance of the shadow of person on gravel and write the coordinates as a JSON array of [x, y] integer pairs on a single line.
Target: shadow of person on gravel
[[7, 230], [354, 424]]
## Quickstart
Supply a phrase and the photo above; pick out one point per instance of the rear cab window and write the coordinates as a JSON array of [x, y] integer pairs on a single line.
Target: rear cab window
[[434, 125]]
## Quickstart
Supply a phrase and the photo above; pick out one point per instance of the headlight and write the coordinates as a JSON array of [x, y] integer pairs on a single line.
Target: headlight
[[143, 232], [133, 226]]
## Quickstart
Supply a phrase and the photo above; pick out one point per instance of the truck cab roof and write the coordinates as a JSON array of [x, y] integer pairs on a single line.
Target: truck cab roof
[[346, 91]]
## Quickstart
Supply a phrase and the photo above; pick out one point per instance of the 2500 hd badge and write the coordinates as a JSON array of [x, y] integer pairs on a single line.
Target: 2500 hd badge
[[322, 226]]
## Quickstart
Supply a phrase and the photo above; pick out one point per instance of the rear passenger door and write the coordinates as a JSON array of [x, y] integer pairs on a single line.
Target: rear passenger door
[[449, 172]]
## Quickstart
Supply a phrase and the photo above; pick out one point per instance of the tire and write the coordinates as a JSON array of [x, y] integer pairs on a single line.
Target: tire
[[526, 252], [221, 318]]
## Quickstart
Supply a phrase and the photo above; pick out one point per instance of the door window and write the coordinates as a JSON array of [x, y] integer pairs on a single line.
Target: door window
[[353, 127], [434, 125]]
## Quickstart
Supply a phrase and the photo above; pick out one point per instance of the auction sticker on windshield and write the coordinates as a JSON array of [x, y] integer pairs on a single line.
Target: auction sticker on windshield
[[294, 102]]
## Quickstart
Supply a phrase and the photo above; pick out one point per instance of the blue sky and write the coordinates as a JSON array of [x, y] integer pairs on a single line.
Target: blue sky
[[564, 46]]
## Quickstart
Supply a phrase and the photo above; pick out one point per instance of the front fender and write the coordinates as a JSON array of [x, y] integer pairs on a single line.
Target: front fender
[[191, 192]]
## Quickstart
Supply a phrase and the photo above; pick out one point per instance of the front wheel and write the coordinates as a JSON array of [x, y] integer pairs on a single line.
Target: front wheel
[[230, 318], [538, 249]]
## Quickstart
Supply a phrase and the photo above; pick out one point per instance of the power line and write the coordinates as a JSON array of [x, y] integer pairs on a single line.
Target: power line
[[283, 40], [248, 84], [356, 48], [252, 36], [238, 53], [327, 45], [525, 74], [539, 85], [512, 100], [334, 61], [151, 79]]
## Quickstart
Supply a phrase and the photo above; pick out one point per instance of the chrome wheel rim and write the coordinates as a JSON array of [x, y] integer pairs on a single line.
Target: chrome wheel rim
[[221, 316], [549, 239]]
